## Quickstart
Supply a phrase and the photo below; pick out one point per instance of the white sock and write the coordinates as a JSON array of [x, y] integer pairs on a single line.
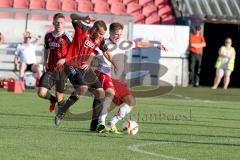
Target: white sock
[[106, 105], [123, 110]]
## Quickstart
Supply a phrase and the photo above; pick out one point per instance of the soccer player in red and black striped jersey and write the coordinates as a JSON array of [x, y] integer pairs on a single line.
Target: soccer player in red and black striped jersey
[[56, 44], [78, 58]]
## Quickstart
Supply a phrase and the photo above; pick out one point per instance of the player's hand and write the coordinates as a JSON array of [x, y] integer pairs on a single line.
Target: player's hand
[[45, 66], [162, 47], [85, 66], [88, 19], [61, 61]]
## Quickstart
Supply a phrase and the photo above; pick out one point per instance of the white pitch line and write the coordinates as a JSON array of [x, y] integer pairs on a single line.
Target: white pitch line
[[135, 148], [193, 99]]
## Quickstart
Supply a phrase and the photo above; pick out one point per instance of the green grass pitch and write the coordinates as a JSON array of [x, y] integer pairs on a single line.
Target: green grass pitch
[[187, 123]]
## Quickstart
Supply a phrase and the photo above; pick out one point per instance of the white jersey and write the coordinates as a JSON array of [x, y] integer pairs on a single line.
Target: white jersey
[[118, 51], [26, 53]]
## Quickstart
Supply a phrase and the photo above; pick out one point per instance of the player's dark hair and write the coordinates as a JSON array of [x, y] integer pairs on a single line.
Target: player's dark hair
[[99, 24], [58, 15], [115, 26]]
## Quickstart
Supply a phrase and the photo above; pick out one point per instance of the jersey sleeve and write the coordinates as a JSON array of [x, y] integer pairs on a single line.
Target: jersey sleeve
[[103, 47], [80, 25]]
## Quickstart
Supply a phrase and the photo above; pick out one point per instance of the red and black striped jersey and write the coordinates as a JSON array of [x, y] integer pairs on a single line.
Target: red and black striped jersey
[[58, 46], [82, 45]]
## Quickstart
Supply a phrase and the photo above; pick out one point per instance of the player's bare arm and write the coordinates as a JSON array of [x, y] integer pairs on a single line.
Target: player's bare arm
[[77, 17], [150, 45], [45, 59], [109, 57]]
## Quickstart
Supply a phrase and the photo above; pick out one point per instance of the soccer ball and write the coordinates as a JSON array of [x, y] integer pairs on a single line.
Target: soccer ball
[[131, 127]]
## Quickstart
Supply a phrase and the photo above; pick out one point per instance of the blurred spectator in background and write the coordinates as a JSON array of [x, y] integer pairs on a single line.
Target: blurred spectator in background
[[2, 39], [26, 55], [225, 64], [196, 45]]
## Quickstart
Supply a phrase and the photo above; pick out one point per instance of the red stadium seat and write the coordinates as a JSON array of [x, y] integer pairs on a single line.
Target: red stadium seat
[[39, 4], [138, 18], [86, 7], [114, 1], [83, 1], [133, 7], [168, 19], [118, 9], [102, 8], [98, 1], [53, 5], [6, 3], [69, 5], [145, 2], [165, 10], [160, 2], [153, 19], [21, 4], [149, 9], [129, 1]]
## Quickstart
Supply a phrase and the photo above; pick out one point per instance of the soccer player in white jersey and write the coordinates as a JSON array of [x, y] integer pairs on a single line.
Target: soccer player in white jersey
[[116, 90]]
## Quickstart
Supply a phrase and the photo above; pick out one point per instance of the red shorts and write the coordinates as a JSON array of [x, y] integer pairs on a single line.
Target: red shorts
[[120, 88]]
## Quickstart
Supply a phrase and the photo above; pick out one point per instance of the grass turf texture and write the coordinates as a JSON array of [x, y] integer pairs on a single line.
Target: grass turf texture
[[187, 123]]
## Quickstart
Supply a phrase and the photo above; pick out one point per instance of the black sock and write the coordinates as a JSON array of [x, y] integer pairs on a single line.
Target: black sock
[[61, 103], [97, 108], [50, 97], [71, 100]]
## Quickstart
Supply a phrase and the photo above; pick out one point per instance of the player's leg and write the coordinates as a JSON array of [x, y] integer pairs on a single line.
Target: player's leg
[[125, 102], [97, 106], [61, 78], [226, 79], [108, 87], [123, 109], [45, 84], [80, 89], [22, 69], [218, 77], [109, 94]]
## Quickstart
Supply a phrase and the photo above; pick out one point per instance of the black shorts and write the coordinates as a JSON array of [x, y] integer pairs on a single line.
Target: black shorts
[[49, 79], [29, 67], [79, 77]]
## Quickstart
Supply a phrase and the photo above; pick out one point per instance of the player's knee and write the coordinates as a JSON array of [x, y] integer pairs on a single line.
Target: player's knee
[[100, 93], [41, 93], [131, 101], [82, 90], [110, 93], [59, 96]]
